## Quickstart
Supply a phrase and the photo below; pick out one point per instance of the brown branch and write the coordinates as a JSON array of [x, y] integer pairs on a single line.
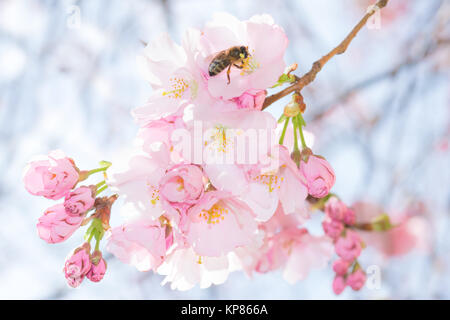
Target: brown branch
[[309, 77]]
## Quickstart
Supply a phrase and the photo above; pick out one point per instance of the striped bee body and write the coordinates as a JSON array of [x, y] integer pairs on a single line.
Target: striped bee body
[[218, 64], [226, 59]]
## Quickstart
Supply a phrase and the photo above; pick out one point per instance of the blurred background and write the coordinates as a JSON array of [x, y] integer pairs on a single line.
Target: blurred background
[[380, 113]]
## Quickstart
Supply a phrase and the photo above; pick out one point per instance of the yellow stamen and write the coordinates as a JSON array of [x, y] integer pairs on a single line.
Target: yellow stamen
[[178, 86], [215, 214], [272, 181]]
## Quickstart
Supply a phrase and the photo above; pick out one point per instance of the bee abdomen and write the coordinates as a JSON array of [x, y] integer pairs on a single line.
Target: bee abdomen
[[217, 66]]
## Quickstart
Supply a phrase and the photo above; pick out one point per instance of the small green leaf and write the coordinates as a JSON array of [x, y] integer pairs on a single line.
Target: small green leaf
[[382, 223], [283, 79], [105, 164]]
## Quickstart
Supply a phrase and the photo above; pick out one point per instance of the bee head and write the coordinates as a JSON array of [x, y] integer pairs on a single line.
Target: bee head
[[244, 51]]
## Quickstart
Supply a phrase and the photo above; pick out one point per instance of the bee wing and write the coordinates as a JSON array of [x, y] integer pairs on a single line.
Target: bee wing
[[217, 56]]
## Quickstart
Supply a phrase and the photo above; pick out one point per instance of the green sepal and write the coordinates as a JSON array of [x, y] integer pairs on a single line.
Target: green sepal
[[382, 223], [105, 164], [284, 78]]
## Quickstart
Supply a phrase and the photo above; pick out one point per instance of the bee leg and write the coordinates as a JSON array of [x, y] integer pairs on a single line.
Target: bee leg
[[237, 66], [228, 74]]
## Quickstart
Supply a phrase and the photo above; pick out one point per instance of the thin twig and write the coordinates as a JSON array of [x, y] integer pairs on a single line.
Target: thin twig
[[309, 77]]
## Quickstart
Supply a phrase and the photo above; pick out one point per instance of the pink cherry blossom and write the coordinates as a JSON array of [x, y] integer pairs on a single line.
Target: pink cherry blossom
[[214, 218], [137, 182], [296, 252], [55, 225], [80, 201], [51, 176], [184, 269], [175, 77], [319, 176], [350, 217], [349, 247], [339, 284], [341, 267], [222, 124], [280, 220], [98, 267], [278, 182], [141, 244], [159, 131], [77, 265], [309, 253], [251, 99], [332, 228], [266, 44], [335, 209], [182, 184], [356, 280]]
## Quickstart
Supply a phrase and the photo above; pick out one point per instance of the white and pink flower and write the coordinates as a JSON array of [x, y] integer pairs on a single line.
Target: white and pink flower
[[142, 244], [214, 218]]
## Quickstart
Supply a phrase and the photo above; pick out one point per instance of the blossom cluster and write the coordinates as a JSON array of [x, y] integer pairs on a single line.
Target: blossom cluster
[[56, 177], [348, 245], [216, 183]]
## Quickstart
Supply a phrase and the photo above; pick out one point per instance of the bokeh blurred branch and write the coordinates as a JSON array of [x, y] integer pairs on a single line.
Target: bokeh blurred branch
[[409, 62], [309, 77]]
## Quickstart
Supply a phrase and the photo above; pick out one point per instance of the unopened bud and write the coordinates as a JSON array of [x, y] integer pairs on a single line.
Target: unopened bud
[[305, 154], [298, 99], [291, 68], [292, 109], [296, 156]]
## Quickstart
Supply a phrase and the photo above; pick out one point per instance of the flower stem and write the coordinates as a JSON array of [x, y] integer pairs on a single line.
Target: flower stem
[[283, 133], [301, 123], [98, 185], [295, 123], [101, 189], [97, 170], [90, 237]]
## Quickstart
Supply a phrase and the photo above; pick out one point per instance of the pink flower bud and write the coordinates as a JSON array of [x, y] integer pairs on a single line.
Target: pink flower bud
[[356, 280], [350, 217], [77, 265], [341, 267], [56, 225], [335, 209], [51, 176], [339, 284], [98, 267], [332, 228], [349, 247], [319, 176], [182, 184], [80, 201], [251, 99]]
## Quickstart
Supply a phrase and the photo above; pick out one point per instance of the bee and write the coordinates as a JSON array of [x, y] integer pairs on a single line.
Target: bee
[[228, 58]]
